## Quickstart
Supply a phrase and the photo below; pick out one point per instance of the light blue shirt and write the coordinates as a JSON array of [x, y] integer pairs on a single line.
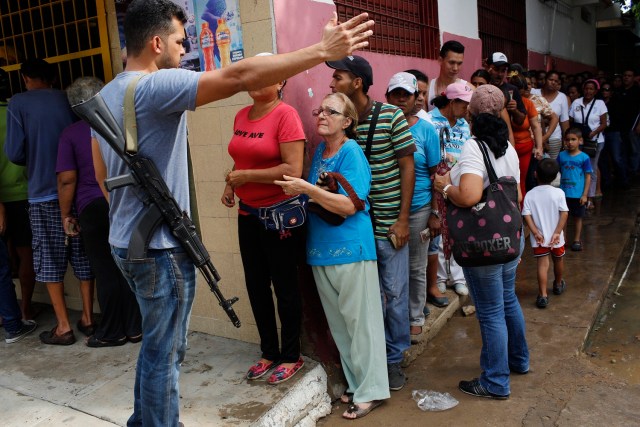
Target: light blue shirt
[[572, 173], [351, 241], [426, 156], [161, 99], [458, 134]]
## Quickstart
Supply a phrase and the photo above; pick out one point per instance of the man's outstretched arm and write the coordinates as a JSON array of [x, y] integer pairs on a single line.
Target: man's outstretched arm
[[338, 41]]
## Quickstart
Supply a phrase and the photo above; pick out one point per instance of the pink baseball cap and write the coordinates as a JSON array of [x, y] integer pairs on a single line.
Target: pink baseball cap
[[458, 91]]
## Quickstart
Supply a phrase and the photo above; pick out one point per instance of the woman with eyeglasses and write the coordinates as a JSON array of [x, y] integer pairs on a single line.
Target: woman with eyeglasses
[[342, 253], [267, 143]]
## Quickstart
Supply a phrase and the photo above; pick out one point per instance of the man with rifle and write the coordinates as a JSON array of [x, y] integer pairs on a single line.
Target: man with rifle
[[164, 281]]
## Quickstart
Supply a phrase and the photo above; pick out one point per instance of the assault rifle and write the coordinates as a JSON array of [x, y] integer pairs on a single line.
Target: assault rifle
[[156, 196]]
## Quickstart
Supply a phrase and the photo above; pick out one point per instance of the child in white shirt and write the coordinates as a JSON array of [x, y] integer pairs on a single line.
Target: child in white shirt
[[545, 211]]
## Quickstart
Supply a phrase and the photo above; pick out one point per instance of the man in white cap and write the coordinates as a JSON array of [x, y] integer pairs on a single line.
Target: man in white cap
[[498, 67], [385, 138]]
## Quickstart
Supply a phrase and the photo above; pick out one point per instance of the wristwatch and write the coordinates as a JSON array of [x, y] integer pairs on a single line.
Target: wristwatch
[[435, 213]]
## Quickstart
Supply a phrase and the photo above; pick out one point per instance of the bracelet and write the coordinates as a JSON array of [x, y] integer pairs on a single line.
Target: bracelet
[[444, 190]]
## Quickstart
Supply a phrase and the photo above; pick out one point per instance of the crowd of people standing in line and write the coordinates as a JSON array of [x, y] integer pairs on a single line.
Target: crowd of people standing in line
[[375, 241]]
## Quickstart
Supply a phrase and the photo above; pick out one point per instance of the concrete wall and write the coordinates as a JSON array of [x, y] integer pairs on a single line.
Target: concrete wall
[[568, 38], [459, 17]]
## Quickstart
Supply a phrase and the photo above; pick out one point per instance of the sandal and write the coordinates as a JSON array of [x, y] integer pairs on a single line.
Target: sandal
[[359, 412], [346, 397], [259, 369], [576, 246], [94, 342], [282, 374], [558, 289], [135, 339], [88, 330]]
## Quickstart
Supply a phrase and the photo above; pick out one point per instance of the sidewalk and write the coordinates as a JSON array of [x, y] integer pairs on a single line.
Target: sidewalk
[[79, 386]]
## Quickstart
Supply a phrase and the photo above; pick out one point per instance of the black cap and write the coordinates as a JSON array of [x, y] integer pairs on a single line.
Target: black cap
[[357, 65]]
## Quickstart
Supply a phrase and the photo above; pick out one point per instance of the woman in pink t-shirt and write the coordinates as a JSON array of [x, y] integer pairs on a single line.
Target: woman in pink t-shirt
[[267, 143]]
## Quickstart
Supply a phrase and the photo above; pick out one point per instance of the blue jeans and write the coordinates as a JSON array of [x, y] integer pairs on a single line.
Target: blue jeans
[[504, 346], [393, 272], [164, 284], [9, 308], [615, 147]]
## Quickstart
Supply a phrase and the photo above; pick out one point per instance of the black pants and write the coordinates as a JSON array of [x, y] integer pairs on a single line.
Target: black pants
[[267, 258], [120, 311]]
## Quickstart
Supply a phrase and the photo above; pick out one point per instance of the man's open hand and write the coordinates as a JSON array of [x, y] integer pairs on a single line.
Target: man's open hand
[[340, 40]]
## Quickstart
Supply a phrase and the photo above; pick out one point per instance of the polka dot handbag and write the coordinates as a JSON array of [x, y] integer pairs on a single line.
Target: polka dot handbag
[[489, 232]]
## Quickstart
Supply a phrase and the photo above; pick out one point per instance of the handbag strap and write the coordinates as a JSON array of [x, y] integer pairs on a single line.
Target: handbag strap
[[130, 123], [357, 202], [372, 128], [493, 177], [584, 121]]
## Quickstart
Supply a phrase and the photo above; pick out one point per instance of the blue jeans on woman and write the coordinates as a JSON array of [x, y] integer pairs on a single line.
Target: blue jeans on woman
[[504, 346], [164, 284]]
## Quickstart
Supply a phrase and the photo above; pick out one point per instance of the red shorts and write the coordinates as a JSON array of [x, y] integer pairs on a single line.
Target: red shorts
[[542, 251]]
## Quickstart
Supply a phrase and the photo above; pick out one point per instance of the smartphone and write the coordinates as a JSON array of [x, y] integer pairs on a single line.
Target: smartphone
[[425, 235], [393, 239]]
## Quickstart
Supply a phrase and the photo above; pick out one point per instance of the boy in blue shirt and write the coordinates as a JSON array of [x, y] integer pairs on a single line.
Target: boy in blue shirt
[[575, 177]]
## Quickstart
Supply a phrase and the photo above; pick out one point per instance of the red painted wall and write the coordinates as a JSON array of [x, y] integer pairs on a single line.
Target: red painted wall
[[299, 23], [537, 62]]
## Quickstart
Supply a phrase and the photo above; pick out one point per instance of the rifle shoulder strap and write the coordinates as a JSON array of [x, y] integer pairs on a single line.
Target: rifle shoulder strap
[[130, 123]]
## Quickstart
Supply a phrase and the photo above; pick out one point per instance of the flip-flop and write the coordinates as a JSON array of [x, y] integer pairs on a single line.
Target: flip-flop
[[346, 398], [359, 412]]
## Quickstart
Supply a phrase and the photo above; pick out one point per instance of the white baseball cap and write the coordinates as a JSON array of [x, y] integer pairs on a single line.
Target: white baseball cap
[[403, 80]]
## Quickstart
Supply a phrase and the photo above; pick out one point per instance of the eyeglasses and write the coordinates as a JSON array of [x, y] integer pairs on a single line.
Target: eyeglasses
[[326, 111]]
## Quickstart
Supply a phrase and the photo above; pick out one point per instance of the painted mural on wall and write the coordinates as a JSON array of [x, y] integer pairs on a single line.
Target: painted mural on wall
[[220, 33], [213, 33]]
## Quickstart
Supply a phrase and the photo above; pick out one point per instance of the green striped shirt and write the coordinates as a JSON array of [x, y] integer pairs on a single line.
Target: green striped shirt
[[392, 140]]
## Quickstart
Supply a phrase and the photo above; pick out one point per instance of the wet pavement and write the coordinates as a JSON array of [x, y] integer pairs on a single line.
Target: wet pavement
[[565, 386]]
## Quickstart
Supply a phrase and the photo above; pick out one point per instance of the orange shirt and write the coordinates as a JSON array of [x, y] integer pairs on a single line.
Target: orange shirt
[[522, 133]]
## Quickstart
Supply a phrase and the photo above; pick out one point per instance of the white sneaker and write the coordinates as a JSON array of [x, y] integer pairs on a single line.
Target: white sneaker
[[461, 289], [442, 287]]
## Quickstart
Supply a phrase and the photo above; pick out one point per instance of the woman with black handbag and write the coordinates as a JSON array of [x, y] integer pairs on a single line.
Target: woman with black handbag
[[484, 183], [590, 115]]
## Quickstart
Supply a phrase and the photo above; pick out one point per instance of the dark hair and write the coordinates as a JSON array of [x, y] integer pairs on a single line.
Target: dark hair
[[440, 101], [547, 170], [556, 72], [516, 67], [482, 73], [148, 18], [493, 131], [453, 46], [419, 75], [574, 131], [539, 72], [519, 81], [577, 86], [38, 69]]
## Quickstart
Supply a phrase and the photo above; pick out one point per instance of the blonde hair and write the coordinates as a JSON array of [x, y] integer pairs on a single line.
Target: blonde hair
[[349, 111]]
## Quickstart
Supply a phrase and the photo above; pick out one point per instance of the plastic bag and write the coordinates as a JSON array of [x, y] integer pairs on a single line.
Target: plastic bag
[[429, 400]]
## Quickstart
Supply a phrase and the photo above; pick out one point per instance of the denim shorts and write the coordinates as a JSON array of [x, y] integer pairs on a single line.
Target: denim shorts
[[576, 210]]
